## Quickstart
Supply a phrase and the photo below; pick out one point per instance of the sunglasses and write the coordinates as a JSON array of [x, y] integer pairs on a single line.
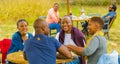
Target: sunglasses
[[110, 7]]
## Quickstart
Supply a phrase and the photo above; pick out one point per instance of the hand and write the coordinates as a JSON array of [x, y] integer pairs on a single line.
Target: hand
[[68, 46]]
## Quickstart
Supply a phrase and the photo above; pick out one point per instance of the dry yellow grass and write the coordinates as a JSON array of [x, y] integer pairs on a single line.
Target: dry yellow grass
[[12, 10]]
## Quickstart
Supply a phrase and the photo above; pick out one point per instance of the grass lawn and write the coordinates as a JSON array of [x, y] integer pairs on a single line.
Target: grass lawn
[[8, 27]]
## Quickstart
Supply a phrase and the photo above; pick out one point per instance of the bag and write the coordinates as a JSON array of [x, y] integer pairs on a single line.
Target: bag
[[109, 58]]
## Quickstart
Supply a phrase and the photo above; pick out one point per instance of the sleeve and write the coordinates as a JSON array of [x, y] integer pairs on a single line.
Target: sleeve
[[57, 44], [108, 14], [15, 44], [112, 15], [53, 16], [57, 36], [92, 47]]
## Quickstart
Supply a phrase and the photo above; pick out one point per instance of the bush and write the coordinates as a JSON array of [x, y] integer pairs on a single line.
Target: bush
[[93, 2]]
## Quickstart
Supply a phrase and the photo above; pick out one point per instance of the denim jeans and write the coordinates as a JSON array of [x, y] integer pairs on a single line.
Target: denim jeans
[[55, 26], [75, 61]]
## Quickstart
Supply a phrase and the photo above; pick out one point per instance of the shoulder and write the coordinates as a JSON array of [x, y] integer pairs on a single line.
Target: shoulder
[[77, 31], [29, 34], [16, 34], [112, 12], [51, 10], [29, 41], [52, 39], [101, 38]]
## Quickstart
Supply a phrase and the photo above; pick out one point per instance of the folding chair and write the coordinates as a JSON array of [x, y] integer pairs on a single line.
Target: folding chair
[[85, 24], [109, 24]]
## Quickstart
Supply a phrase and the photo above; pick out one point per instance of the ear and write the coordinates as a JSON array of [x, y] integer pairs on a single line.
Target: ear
[[43, 29], [17, 27], [97, 25]]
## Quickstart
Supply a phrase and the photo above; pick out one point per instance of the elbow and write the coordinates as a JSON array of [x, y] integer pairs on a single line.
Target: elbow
[[24, 56]]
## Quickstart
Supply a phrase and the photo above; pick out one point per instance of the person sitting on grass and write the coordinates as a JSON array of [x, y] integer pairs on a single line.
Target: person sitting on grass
[[42, 49], [97, 45], [70, 35]]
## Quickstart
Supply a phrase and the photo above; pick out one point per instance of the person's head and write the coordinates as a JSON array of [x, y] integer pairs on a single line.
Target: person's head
[[56, 6], [112, 7], [66, 24], [95, 24], [22, 26], [41, 27]]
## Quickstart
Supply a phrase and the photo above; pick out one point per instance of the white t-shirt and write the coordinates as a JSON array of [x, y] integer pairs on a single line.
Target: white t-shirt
[[67, 40]]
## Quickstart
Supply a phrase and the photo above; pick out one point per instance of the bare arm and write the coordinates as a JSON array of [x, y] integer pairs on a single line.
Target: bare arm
[[64, 51], [24, 56], [76, 49], [108, 17]]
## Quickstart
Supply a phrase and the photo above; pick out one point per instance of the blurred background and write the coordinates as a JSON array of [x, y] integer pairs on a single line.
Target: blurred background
[[12, 10]]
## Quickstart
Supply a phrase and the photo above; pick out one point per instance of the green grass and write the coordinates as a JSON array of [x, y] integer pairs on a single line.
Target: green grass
[[11, 11]]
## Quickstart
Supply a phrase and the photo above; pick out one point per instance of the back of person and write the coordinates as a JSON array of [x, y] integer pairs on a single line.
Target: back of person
[[42, 49], [102, 48]]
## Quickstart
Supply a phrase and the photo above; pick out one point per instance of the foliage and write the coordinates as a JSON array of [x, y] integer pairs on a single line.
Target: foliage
[[12, 10], [94, 2], [16, 9]]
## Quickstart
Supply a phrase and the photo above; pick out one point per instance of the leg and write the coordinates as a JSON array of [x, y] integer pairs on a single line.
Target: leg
[[51, 26], [57, 27]]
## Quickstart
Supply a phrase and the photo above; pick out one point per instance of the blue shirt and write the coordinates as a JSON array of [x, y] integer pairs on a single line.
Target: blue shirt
[[17, 42], [41, 49], [112, 14]]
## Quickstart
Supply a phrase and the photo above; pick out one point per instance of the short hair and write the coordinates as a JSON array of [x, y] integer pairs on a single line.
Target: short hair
[[56, 4], [98, 20], [66, 17], [21, 20], [38, 23], [114, 7]]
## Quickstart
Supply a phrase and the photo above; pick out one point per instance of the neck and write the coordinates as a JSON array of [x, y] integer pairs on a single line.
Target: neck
[[68, 32], [23, 34], [99, 32], [38, 33]]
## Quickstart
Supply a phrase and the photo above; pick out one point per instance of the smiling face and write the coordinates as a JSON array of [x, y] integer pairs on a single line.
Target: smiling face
[[66, 24], [95, 24], [92, 27], [110, 8], [56, 7], [22, 27]]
